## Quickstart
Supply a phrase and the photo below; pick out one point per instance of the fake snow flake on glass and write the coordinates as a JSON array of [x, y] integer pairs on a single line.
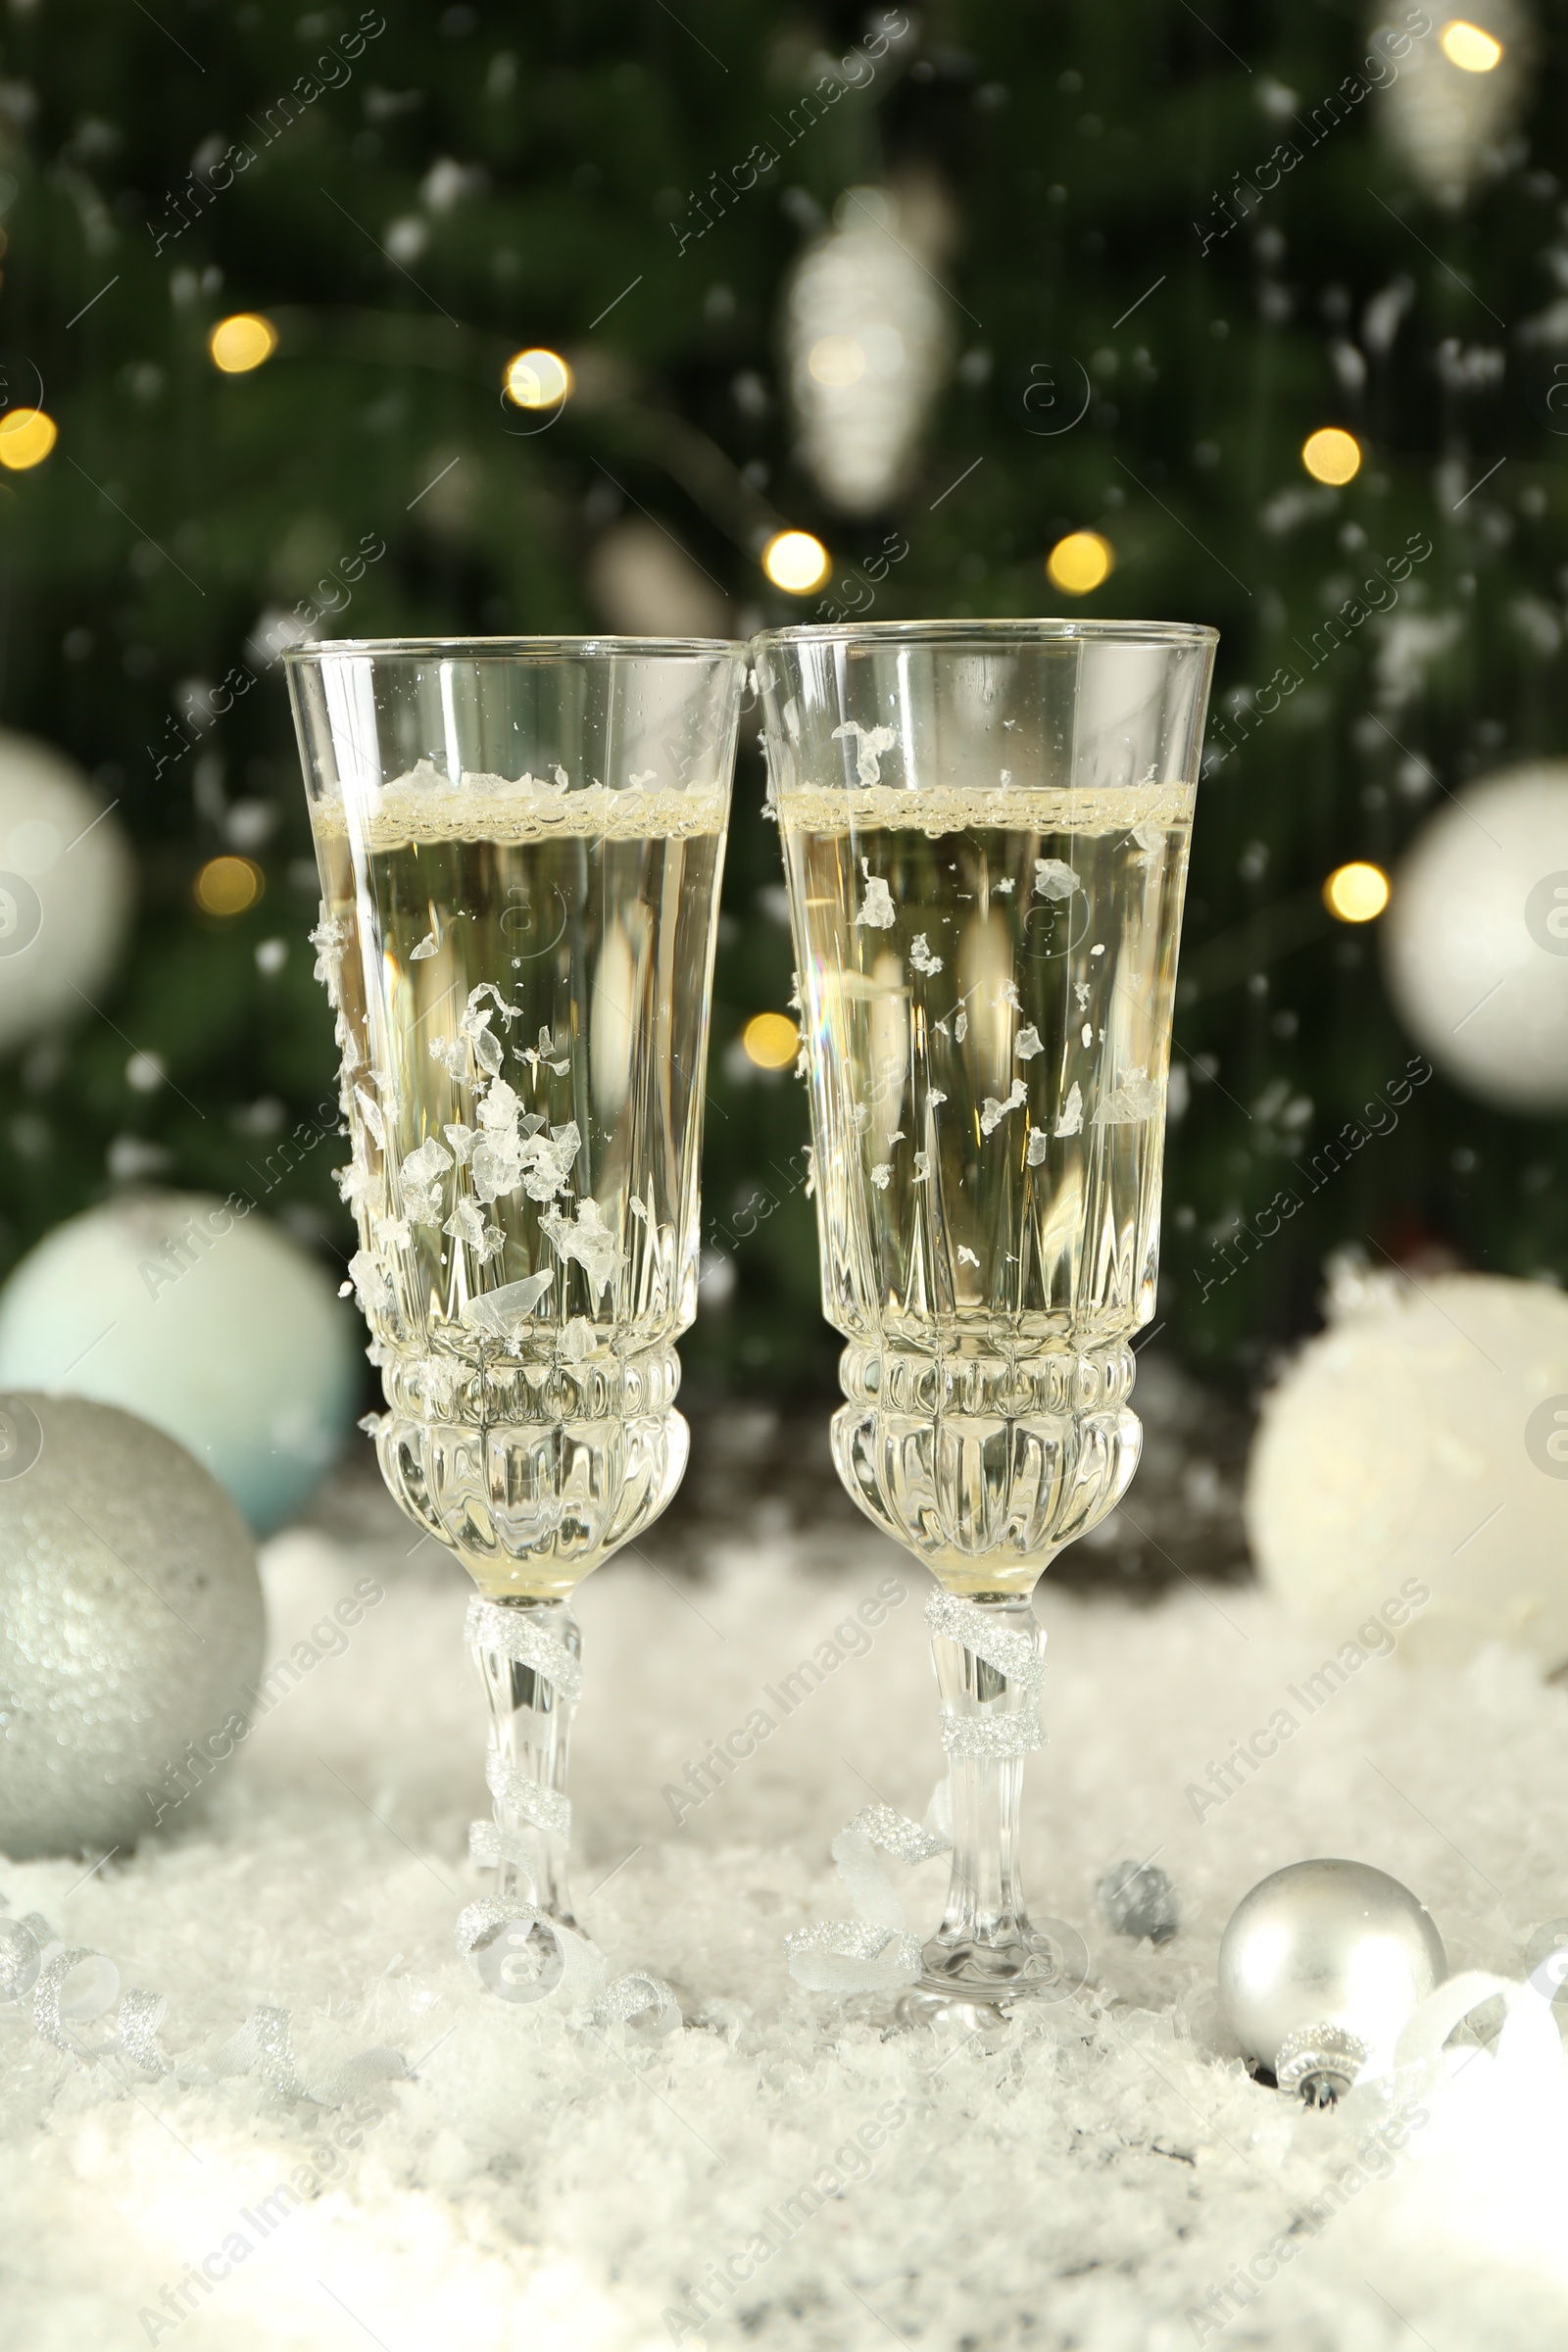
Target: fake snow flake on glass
[[510, 959], [1045, 903]]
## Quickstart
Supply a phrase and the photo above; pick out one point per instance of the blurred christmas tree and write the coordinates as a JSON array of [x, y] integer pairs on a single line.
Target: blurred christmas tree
[[949, 290]]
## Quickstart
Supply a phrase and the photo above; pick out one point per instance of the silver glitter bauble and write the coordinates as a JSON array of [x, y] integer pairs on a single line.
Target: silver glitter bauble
[[1139, 1900], [1321, 1967], [130, 1623]]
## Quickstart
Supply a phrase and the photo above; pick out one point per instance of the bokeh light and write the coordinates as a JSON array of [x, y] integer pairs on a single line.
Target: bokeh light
[[228, 885], [26, 436], [1331, 454], [771, 1040], [1080, 562], [1466, 46], [836, 361], [796, 561], [242, 342], [1356, 893], [537, 379]]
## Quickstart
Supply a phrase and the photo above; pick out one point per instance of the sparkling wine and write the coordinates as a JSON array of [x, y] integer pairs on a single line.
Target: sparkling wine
[[991, 990], [988, 990], [523, 978]]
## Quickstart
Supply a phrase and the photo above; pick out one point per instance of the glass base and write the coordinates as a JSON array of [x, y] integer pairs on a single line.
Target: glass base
[[976, 1983]]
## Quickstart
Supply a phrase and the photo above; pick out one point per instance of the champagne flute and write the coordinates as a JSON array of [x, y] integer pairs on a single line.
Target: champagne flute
[[985, 829], [520, 843]]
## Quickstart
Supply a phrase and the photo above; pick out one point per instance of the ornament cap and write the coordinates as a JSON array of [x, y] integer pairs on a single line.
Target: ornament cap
[[1320, 2062]]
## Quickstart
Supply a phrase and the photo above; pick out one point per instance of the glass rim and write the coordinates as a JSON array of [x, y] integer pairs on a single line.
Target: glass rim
[[512, 649], [954, 632]]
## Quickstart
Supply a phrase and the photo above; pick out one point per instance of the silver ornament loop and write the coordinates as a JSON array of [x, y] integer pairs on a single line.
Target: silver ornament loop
[[1325, 2056]]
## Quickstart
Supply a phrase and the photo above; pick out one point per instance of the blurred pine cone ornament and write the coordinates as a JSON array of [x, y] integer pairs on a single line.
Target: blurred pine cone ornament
[[868, 341]]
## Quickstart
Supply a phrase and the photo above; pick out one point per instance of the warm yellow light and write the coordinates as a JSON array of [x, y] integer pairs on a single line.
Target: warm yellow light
[[771, 1040], [26, 436], [1080, 562], [1356, 893], [536, 379], [243, 342], [1331, 455], [1466, 46], [835, 361], [228, 885], [795, 561]]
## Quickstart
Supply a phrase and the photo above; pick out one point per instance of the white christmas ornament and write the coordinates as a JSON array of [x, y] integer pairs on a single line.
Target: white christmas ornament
[[1476, 938], [868, 342], [1408, 1480], [65, 877], [131, 1625], [210, 1322], [1450, 103]]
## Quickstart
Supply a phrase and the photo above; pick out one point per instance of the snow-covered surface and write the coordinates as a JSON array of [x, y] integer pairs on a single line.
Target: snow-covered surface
[[1089, 2184]]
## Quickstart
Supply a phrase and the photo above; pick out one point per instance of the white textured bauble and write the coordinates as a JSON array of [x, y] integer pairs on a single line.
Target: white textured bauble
[[1320, 1968], [1408, 1480], [66, 876], [1476, 938], [130, 1627], [212, 1325], [868, 342]]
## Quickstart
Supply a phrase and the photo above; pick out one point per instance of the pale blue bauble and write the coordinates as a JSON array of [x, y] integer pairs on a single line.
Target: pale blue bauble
[[212, 1325]]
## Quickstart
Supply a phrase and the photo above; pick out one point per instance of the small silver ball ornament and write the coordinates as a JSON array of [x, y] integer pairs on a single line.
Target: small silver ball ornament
[[1321, 1967], [130, 1623]]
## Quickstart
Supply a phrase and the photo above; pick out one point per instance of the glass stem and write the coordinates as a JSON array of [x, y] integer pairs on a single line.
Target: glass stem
[[531, 1682], [985, 1942]]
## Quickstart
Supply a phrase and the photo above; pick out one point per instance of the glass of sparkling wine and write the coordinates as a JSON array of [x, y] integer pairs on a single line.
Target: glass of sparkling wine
[[985, 828], [520, 843]]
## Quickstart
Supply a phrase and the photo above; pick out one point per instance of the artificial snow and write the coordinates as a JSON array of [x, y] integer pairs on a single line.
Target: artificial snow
[[994, 1110], [1138, 1096], [1093, 2179]]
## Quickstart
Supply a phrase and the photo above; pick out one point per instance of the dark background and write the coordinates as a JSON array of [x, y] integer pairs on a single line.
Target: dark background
[[487, 179]]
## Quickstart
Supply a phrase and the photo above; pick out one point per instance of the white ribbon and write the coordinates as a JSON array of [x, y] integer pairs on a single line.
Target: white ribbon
[[1016, 1731], [525, 1956], [522, 1955], [74, 1987], [874, 1952], [510, 1786], [1529, 2055], [518, 1636]]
